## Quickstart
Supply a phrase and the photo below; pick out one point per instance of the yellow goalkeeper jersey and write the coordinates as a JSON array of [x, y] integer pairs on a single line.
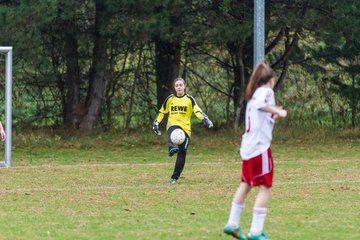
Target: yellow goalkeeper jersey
[[180, 110]]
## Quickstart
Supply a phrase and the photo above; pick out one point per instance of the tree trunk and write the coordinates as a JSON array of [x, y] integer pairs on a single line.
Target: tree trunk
[[236, 51], [72, 112], [97, 72], [167, 60], [68, 32], [240, 101], [353, 103], [132, 94]]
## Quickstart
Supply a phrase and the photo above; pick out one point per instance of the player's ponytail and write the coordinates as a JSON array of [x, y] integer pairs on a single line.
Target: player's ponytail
[[261, 75]]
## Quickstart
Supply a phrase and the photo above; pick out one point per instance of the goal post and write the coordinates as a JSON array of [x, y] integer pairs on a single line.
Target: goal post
[[259, 32], [8, 103]]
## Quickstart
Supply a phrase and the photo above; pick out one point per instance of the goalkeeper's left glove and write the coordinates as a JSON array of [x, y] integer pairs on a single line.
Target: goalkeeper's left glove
[[155, 128], [207, 122]]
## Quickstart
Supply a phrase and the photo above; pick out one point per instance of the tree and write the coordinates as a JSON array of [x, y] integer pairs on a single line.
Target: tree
[[68, 29], [98, 67], [78, 62], [167, 38], [229, 25], [334, 50]]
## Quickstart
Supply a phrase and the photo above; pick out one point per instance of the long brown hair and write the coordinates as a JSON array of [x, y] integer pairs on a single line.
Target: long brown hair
[[261, 75], [173, 84]]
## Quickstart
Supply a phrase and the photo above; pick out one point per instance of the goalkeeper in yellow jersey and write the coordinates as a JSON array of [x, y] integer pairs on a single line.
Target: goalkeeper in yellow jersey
[[180, 107]]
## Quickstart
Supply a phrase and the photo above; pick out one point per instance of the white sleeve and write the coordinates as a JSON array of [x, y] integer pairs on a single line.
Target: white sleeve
[[263, 97]]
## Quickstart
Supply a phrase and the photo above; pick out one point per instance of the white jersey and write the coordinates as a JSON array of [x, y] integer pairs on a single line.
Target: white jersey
[[258, 124]]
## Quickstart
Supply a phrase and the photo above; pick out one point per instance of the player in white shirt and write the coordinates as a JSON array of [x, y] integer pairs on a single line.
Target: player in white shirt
[[259, 124], [257, 162]]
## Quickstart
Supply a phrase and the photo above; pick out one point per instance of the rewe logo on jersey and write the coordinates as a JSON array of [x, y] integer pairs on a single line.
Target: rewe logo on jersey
[[178, 108]]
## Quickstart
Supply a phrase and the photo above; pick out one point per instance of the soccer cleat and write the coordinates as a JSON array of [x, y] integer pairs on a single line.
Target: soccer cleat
[[262, 236], [235, 232], [172, 180], [172, 151]]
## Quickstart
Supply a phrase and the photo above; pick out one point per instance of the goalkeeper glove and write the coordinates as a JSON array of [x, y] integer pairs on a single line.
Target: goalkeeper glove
[[207, 122], [155, 128]]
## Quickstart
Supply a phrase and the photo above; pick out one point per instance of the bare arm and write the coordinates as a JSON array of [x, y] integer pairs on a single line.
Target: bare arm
[[2, 132], [278, 111]]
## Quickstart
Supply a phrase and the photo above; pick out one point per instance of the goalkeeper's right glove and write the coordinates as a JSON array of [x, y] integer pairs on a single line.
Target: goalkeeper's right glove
[[207, 122], [155, 128]]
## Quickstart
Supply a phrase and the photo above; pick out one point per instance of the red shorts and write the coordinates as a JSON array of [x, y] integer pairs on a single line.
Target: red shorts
[[258, 170]]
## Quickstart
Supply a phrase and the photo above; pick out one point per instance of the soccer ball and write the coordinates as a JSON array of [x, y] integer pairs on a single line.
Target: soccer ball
[[177, 136]]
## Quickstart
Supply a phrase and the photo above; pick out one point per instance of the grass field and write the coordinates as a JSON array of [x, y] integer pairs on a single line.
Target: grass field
[[116, 186]]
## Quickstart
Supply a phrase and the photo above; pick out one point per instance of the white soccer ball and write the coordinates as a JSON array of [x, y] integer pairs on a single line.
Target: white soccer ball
[[177, 136]]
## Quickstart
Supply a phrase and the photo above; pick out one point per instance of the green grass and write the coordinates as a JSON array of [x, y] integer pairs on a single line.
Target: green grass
[[116, 186]]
